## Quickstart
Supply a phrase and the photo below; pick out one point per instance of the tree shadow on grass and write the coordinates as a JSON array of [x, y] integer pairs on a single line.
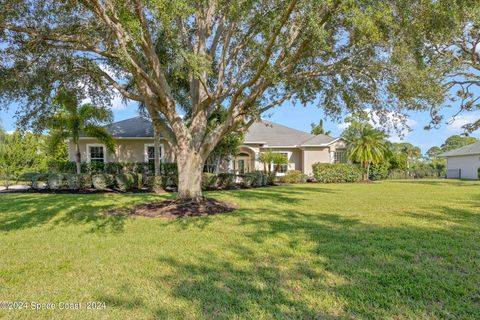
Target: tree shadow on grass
[[23, 211], [327, 266]]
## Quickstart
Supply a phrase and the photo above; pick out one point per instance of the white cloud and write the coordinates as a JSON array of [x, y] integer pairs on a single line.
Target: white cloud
[[10, 131], [456, 124], [397, 126]]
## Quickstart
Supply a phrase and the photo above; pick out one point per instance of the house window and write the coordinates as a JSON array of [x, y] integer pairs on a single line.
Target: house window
[[340, 156], [283, 168], [150, 153], [97, 154]]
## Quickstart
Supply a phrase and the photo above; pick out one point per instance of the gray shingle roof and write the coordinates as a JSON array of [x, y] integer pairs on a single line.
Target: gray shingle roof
[[262, 132], [274, 134], [318, 140], [137, 127], [470, 149]]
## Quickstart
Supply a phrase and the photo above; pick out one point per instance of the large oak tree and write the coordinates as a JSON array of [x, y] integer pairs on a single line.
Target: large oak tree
[[184, 60]]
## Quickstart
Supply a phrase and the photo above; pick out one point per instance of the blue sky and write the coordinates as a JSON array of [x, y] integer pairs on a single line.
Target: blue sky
[[300, 117]]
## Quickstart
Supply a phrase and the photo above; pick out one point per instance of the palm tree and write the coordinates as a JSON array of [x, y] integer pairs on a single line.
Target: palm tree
[[318, 128], [72, 121], [272, 159], [369, 147]]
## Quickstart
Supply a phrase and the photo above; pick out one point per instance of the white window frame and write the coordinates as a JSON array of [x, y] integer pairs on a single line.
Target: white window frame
[[289, 155], [145, 151], [90, 145]]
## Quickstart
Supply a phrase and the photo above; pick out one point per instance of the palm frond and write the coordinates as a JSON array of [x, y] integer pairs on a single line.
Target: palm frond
[[102, 135]]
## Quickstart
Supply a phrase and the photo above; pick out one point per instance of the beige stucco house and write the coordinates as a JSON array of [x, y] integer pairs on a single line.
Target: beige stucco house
[[135, 143], [463, 163]]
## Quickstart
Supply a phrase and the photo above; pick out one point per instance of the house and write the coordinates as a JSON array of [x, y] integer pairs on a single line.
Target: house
[[135, 143], [464, 162]]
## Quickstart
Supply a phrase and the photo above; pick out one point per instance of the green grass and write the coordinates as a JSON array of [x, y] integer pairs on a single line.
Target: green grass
[[389, 250]]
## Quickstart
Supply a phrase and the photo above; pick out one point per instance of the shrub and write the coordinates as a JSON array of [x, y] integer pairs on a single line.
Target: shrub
[[478, 173], [378, 171], [73, 181], [169, 171], [226, 180], [247, 180], [209, 180], [294, 176], [61, 166], [27, 177], [56, 181], [154, 183], [258, 179], [332, 173], [102, 181], [85, 181], [124, 181], [138, 180], [39, 181]]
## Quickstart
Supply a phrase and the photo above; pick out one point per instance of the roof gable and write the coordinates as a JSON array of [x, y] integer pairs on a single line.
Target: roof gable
[[262, 132], [470, 149]]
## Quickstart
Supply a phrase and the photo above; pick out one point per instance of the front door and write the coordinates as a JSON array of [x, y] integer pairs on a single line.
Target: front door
[[241, 166]]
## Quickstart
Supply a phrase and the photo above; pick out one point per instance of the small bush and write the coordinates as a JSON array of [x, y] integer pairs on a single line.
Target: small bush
[[293, 176], [209, 180], [258, 179], [170, 174], [102, 181], [154, 183], [40, 181], [138, 180], [73, 181], [333, 173], [226, 180], [379, 171], [85, 181], [56, 181], [27, 177], [247, 180], [124, 181]]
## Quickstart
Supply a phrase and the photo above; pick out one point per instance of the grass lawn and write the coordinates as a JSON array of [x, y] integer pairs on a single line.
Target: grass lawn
[[389, 250]]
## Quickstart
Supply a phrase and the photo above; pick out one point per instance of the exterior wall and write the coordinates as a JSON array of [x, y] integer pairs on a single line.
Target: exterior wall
[[313, 155], [468, 165], [294, 158], [127, 150]]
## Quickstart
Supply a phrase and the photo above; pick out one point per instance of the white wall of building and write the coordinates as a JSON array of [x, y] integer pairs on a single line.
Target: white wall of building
[[467, 164]]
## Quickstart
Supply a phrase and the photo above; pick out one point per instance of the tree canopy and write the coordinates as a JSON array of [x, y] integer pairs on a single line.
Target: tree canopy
[[456, 141], [185, 60]]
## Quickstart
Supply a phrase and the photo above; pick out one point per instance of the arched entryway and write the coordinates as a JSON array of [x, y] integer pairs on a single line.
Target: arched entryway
[[244, 162]]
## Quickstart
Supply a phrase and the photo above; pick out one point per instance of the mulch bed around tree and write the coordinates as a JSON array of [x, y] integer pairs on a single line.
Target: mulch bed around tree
[[172, 209]]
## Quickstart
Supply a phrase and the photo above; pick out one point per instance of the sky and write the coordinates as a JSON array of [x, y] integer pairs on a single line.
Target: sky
[[300, 118]]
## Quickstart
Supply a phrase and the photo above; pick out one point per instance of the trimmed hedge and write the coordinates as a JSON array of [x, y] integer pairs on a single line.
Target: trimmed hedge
[[226, 180], [154, 183], [39, 181], [27, 177], [334, 173], [73, 181], [248, 180], [56, 181], [124, 181], [209, 180], [103, 181], [293, 176]]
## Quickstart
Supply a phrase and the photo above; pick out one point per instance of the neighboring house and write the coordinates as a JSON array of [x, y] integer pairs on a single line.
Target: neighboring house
[[463, 163], [135, 143]]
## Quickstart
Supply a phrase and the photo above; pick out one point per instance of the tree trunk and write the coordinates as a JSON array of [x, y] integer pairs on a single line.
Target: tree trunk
[[190, 168], [157, 153], [368, 172], [78, 158]]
